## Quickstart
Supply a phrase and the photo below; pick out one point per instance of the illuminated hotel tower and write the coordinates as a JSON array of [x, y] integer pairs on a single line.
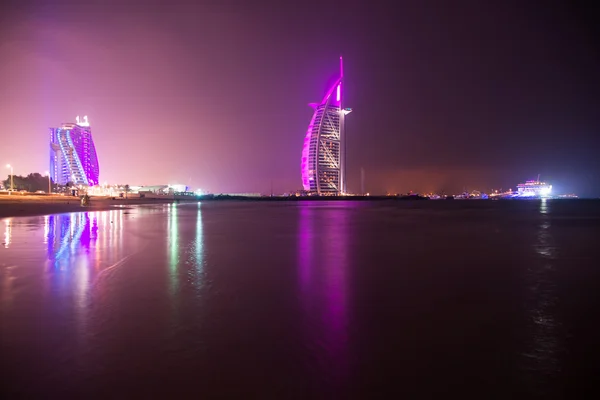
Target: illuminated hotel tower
[[73, 154], [323, 164]]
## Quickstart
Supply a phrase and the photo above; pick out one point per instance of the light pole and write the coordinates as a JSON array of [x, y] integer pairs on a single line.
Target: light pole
[[12, 174], [49, 183]]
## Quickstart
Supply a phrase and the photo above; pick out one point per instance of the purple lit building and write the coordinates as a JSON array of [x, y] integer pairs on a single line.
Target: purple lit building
[[323, 164], [73, 154]]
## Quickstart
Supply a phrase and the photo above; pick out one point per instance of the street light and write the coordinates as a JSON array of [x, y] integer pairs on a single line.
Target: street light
[[49, 183], [12, 174]]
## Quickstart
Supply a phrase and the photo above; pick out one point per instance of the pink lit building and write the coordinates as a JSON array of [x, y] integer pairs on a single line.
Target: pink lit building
[[323, 161], [73, 155]]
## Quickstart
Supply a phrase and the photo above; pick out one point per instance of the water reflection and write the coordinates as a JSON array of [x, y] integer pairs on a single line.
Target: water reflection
[[74, 244], [46, 228], [323, 265], [7, 232], [173, 245], [6, 294], [196, 252], [542, 358], [305, 248], [185, 255], [185, 261], [71, 246]]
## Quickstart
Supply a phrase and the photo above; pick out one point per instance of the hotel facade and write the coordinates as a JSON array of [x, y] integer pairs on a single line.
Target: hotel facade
[[73, 155], [323, 153]]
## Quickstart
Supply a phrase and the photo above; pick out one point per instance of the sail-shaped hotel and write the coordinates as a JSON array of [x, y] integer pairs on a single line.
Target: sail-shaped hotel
[[73, 155], [323, 163]]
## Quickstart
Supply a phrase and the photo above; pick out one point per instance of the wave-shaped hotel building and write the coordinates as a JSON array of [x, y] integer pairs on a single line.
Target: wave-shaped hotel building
[[323, 159], [73, 155]]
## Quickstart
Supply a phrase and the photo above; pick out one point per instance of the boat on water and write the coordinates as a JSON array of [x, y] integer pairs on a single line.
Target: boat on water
[[534, 189]]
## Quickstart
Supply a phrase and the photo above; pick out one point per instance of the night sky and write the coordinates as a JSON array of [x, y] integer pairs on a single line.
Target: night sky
[[447, 95]]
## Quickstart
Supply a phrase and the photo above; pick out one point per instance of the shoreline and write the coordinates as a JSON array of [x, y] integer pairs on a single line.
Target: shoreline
[[30, 205], [37, 205]]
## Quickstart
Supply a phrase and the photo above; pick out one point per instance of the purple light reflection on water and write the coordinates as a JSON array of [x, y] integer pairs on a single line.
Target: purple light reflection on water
[[337, 268], [305, 246], [50, 226], [72, 236], [70, 241], [323, 264], [73, 248]]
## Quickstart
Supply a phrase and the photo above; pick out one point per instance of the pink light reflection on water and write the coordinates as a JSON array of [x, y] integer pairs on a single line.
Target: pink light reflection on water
[[323, 263], [70, 241]]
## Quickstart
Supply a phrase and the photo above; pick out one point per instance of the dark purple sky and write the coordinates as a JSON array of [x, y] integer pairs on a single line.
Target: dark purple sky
[[446, 94]]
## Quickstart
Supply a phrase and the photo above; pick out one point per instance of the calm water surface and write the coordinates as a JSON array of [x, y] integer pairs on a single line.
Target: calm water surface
[[478, 299]]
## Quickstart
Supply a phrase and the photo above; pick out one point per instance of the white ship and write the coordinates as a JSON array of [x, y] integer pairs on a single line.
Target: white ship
[[534, 189]]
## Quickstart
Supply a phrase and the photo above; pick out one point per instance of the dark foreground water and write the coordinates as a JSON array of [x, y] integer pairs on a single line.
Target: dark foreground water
[[438, 299]]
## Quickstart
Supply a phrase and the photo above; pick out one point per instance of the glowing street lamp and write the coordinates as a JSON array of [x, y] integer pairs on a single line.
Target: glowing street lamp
[[12, 174], [49, 183]]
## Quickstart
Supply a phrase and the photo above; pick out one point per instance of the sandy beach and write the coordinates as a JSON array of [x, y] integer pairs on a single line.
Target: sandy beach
[[18, 205]]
